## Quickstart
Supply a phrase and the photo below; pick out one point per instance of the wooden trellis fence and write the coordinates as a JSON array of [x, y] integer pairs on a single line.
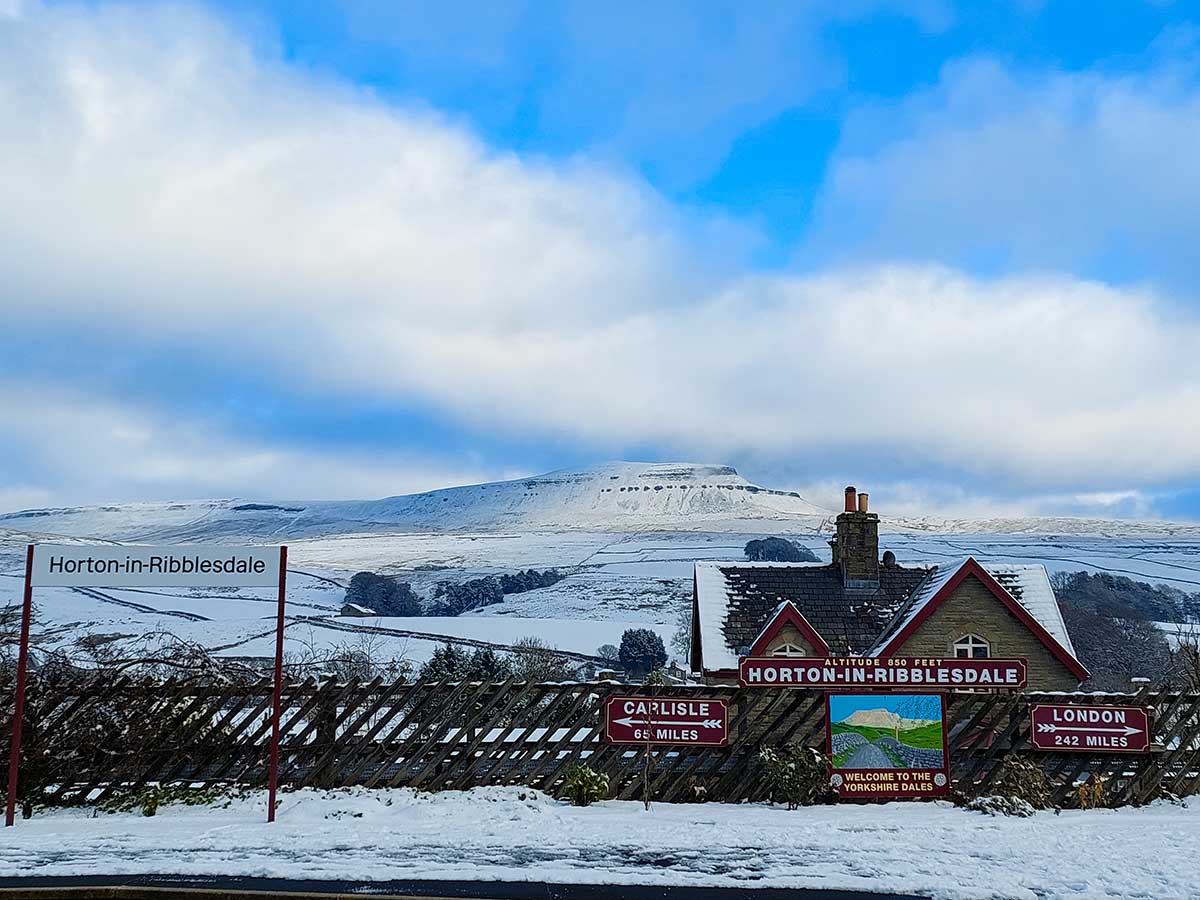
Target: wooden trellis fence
[[90, 738]]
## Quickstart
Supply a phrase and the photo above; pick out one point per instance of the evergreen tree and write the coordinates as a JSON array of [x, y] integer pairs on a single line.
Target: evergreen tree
[[641, 651], [449, 661], [383, 595], [775, 549], [454, 662], [456, 599]]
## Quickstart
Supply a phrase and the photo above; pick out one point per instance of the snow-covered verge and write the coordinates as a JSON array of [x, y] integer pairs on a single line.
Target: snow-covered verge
[[928, 849]]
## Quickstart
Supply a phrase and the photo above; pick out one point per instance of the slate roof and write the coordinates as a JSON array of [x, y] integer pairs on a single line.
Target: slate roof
[[1028, 584], [737, 599]]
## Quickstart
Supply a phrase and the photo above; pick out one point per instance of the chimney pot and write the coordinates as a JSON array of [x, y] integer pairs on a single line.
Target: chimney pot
[[856, 547]]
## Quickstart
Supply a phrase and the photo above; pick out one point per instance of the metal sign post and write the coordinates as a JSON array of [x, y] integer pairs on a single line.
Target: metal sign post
[[273, 776], [118, 566], [14, 756]]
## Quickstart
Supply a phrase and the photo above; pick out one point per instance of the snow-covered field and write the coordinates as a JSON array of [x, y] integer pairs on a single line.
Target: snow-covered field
[[614, 581], [626, 535], [512, 833]]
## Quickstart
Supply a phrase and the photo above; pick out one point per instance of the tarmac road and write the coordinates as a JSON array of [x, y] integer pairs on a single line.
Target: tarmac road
[[868, 756], [146, 887]]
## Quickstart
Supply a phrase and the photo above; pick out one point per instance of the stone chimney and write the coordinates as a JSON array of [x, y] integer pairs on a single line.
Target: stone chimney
[[856, 547]]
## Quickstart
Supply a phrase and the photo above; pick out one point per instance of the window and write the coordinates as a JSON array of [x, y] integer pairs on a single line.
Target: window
[[972, 646], [788, 650]]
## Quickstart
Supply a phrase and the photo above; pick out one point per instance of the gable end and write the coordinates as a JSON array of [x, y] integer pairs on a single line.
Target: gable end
[[972, 569]]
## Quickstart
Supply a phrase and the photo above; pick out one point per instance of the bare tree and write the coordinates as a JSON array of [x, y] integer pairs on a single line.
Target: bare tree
[[1185, 668], [535, 660], [681, 640]]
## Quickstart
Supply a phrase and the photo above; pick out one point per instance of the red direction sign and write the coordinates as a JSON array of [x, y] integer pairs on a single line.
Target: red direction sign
[[1115, 729], [666, 720]]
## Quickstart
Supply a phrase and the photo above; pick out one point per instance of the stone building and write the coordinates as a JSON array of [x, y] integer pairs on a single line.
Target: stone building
[[864, 605]]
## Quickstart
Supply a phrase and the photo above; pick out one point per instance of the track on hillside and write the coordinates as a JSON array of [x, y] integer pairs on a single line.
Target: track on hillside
[[318, 622]]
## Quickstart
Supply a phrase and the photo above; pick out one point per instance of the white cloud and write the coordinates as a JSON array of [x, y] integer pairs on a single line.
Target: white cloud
[[165, 187], [94, 448], [942, 500], [1091, 171]]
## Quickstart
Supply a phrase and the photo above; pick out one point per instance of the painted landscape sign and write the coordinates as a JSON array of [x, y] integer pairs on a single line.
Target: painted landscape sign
[[665, 720], [887, 746], [1117, 729], [887, 673]]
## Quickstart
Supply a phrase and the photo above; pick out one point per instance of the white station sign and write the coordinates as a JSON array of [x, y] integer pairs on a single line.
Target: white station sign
[[107, 565]]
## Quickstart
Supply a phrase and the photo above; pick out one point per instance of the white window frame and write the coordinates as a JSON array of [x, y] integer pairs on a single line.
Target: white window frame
[[972, 643], [788, 650]]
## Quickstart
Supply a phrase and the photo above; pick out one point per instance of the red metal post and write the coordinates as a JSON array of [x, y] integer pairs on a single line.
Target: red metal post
[[273, 778], [14, 757]]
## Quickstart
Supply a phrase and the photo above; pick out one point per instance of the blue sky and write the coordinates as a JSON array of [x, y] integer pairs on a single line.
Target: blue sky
[[841, 706], [945, 251]]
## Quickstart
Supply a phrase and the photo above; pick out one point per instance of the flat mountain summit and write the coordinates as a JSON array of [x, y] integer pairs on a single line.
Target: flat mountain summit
[[610, 497], [883, 718]]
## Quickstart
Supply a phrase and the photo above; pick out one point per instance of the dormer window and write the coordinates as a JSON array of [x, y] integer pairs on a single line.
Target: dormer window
[[972, 646], [789, 650]]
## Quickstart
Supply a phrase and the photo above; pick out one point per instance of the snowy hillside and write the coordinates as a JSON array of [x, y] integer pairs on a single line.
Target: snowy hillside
[[612, 497], [624, 536]]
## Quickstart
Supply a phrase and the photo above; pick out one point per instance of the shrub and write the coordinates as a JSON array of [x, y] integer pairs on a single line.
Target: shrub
[[797, 776], [1020, 788], [994, 805], [534, 660], [150, 797], [657, 678], [584, 786], [1092, 794]]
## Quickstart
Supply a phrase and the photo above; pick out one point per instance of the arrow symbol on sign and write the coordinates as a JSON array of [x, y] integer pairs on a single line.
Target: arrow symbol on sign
[[633, 720], [1051, 729]]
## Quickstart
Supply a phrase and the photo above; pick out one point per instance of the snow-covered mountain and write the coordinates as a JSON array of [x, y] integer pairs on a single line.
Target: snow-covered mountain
[[625, 536], [613, 497], [610, 497], [883, 718]]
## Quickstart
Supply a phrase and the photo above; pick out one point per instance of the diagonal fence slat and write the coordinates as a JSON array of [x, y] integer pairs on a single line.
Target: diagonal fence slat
[[106, 734]]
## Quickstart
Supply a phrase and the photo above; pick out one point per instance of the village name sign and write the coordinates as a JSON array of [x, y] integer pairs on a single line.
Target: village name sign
[[886, 672], [127, 566]]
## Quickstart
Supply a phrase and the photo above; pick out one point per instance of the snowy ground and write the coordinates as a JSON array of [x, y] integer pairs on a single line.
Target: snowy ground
[[614, 580], [929, 849]]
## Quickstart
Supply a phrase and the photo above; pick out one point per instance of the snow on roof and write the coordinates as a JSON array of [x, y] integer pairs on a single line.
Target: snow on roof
[[770, 620], [739, 564], [936, 580], [711, 601], [1028, 584], [712, 596]]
